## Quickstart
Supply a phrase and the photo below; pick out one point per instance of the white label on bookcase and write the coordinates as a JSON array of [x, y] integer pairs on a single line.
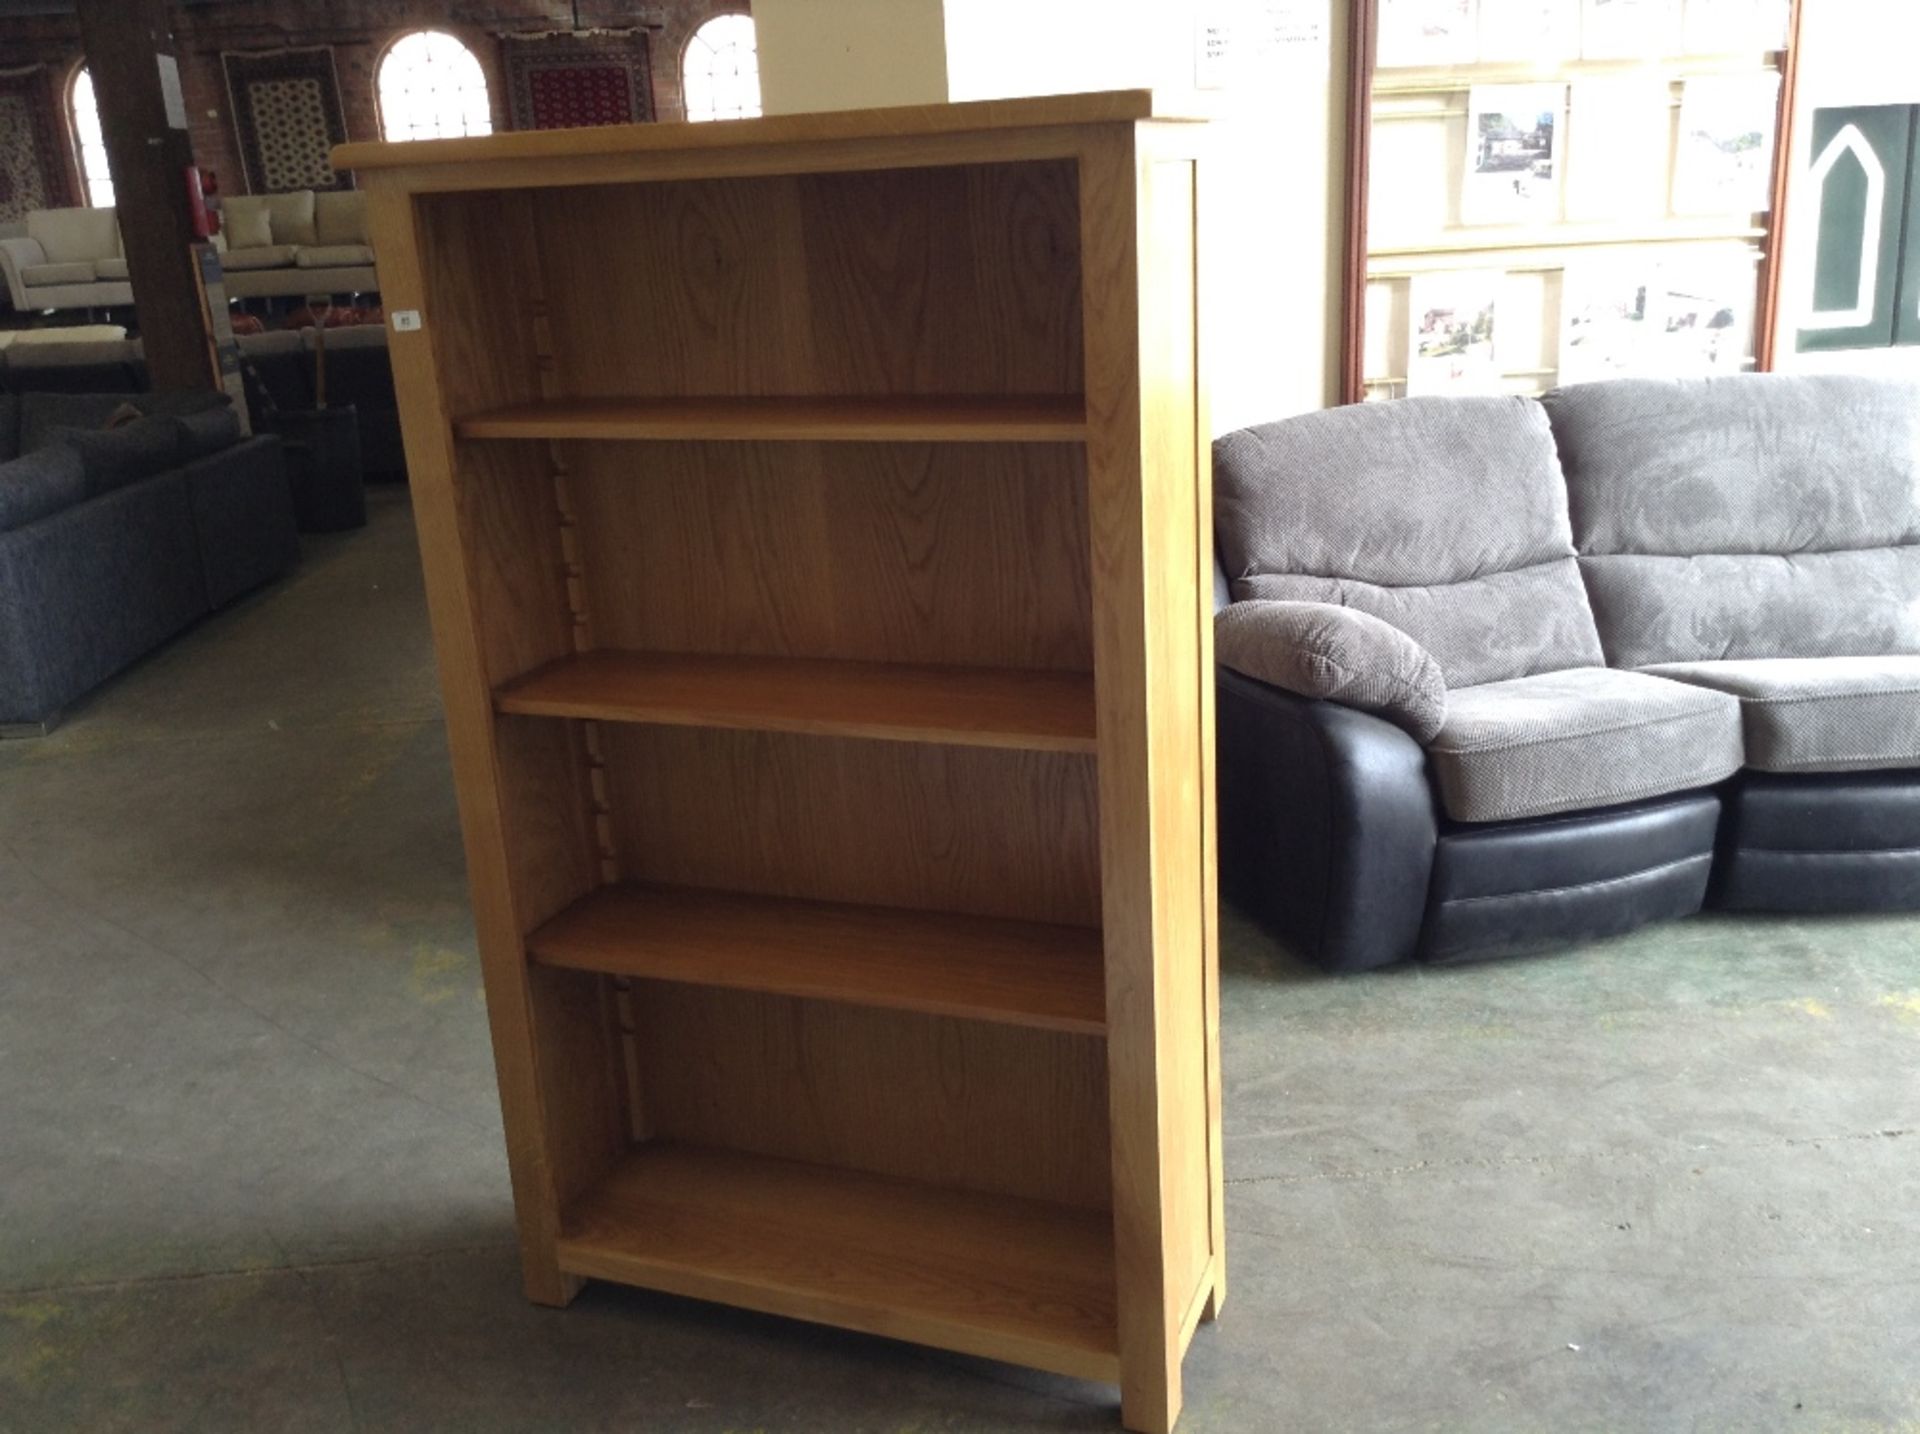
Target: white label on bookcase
[[406, 321]]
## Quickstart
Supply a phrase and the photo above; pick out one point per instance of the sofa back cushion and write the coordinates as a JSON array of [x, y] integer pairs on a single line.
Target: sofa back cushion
[[75, 236], [340, 216], [114, 457], [1747, 516], [38, 485], [1446, 517], [246, 222]]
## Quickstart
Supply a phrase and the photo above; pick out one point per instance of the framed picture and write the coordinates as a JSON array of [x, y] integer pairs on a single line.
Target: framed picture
[[1724, 164], [1529, 31], [1619, 138], [1451, 345], [1629, 29], [1703, 318], [1513, 154], [1416, 34], [1722, 27], [1605, 324]]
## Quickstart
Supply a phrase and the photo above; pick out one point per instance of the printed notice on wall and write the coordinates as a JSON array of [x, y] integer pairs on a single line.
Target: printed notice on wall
[[1246, 42], [170, 92]]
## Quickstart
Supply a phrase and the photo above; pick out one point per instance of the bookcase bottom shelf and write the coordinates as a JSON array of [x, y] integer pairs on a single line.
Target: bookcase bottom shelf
[[989, 1275]]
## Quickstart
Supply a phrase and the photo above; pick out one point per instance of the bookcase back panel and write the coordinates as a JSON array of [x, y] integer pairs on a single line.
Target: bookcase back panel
[[952, 280], [969, 554], [994, 833], [958, 1103], [481, 266]]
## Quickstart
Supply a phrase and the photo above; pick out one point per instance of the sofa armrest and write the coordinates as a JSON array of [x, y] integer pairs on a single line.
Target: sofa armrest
[[15, 255], [1322, 650], [1327, 824]]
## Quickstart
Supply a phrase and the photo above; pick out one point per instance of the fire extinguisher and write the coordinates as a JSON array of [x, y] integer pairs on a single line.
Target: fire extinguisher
[[203, 202]]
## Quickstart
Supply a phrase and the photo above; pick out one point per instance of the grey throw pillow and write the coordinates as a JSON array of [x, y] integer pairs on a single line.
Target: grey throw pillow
[[1318, 649]]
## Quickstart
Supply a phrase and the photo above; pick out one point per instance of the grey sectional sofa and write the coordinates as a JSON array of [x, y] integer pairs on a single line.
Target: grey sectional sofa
[[113, 540], [1497, 675]]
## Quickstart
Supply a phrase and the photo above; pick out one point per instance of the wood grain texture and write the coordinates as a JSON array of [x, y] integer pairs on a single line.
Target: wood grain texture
[[1002, 1278], [960, 706], [967, 1104], [783, 130], [930, 419], [974, 556], [550, 1132], [1138, 202], [1020, 973], [966, 829], [858, 286]]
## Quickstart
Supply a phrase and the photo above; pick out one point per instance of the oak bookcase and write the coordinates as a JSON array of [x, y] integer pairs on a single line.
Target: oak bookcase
[[817, 531]]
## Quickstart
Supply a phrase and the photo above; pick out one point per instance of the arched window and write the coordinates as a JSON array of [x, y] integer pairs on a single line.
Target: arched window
[[720, 73], [89, 145], [431, 87]]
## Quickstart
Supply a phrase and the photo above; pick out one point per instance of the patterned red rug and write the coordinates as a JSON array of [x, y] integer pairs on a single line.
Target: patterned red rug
[[565, 79]]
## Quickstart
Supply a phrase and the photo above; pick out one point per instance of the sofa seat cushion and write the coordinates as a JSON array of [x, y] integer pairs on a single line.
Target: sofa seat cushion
[[112, 270], [260, 256], [39, 484], [1584, 738], [332, 256], [1819, 714], [77, 271], [1337, 654]]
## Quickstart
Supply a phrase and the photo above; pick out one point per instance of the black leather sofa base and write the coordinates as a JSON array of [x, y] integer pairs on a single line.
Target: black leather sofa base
[[1512, 888], [1827, 843], [1328, 837]]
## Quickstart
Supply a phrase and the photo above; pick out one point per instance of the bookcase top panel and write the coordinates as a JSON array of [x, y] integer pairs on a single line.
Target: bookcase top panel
[[894, 122]]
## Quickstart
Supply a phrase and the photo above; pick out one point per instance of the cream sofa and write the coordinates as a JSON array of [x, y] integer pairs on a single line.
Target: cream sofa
[[301, 242], [66, 259], [272, 246]]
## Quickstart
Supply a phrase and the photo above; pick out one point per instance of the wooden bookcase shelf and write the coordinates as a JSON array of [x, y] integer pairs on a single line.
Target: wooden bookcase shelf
[[988, 418], [982, 1274], [835, 747], [1038, 711], [1020, 972]]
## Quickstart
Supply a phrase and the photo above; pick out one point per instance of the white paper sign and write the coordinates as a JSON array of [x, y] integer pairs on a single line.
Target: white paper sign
[[170, 92]]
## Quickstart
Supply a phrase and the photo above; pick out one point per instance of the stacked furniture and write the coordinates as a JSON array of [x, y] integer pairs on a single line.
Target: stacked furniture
[[1498, 674], [66, 259], [272, 246], [300, 242], [114, 539], [820, 602]]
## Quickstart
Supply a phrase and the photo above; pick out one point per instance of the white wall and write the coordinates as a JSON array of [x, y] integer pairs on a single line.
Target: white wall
[[1272, 193], [850, 54], [1852, 52]]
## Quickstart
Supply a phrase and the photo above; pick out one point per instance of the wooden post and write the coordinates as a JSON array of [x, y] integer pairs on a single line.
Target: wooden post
[[125, 41]]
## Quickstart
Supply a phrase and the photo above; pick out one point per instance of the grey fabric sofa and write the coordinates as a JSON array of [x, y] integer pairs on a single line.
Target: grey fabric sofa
[[1641, 646], [113, 540]]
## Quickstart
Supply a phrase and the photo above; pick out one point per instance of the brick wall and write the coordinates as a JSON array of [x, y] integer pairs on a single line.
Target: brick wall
[[359, 31]]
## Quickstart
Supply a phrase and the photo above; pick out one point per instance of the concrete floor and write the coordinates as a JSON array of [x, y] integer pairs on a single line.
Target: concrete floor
[[251, 1175]]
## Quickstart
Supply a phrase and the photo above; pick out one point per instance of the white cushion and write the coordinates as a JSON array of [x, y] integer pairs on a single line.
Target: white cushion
[[261, 256], [115, 269], [74, 236], [340, 216], [247, 222], [34, 275], [332, 256], [292, 217], [72, 333]]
